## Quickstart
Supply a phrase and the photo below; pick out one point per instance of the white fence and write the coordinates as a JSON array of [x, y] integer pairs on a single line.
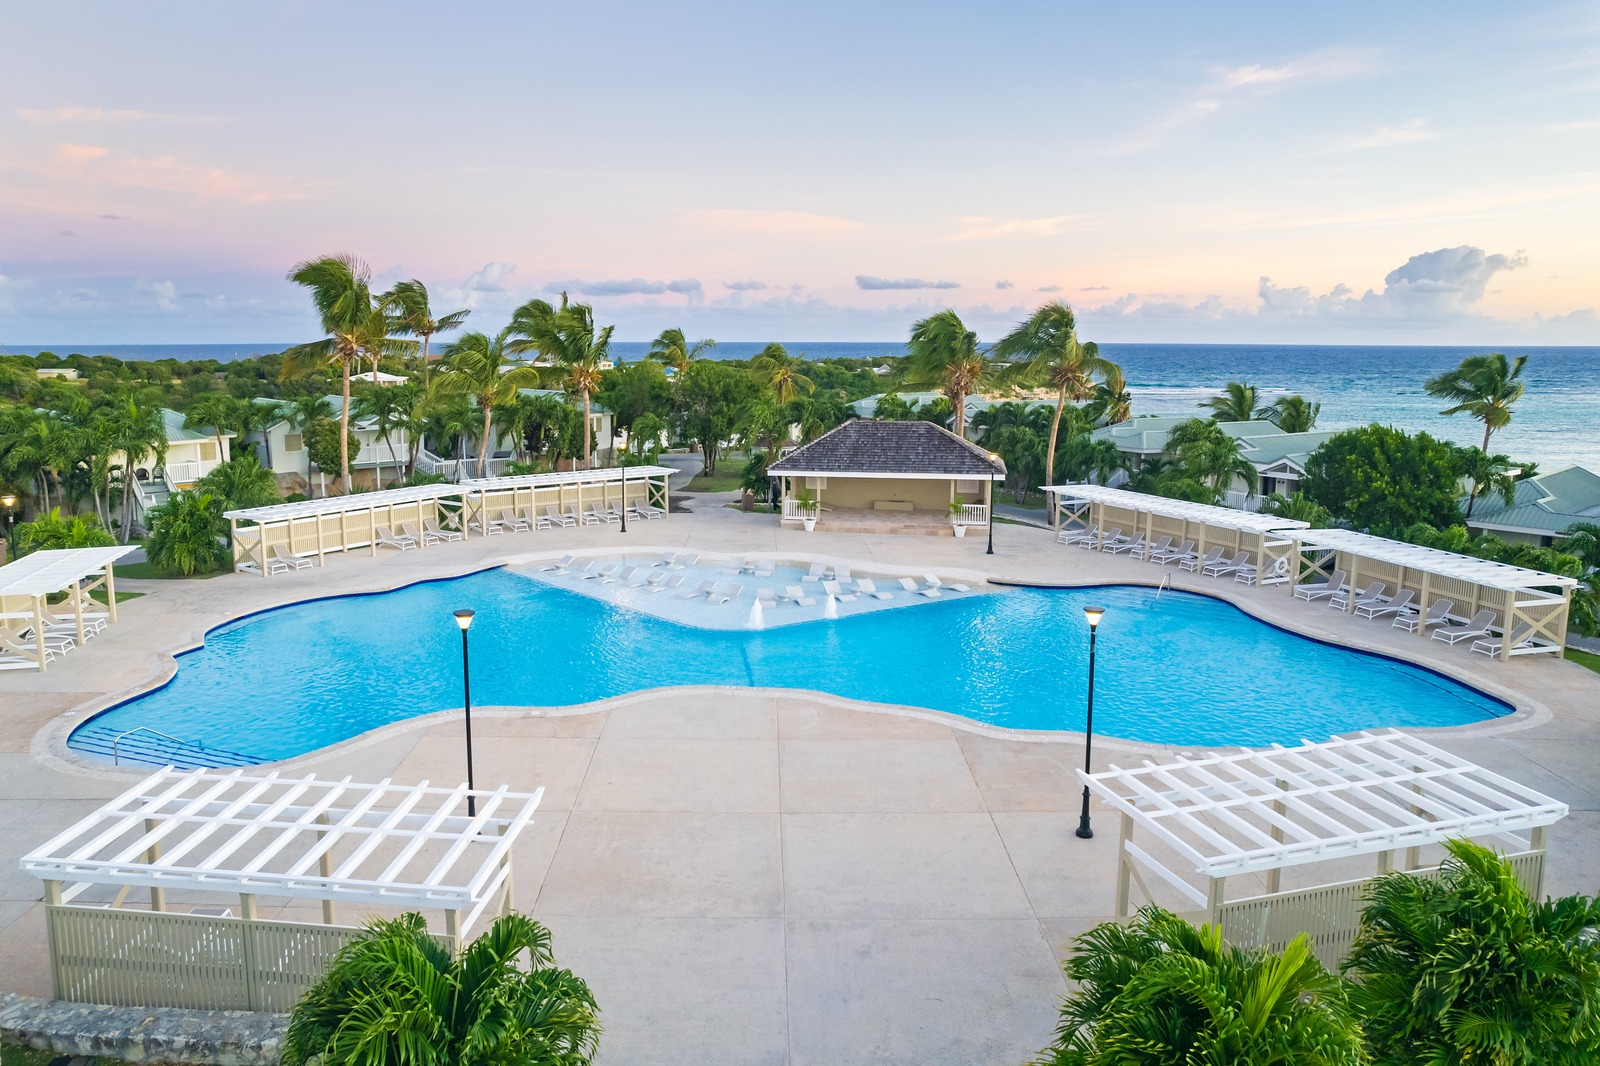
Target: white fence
[[794, 510], [971, 514]]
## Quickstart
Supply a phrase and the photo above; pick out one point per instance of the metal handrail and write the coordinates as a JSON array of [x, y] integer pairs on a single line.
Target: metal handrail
[[1166, 581], [117, 741]]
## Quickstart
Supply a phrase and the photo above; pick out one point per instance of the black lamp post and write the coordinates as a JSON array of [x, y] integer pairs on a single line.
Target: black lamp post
[[993, 458], [624, 468], [464, 620], [9, 502], [1093, 615]]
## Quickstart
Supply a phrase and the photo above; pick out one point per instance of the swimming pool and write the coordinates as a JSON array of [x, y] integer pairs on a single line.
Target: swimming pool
[[1176, 668]]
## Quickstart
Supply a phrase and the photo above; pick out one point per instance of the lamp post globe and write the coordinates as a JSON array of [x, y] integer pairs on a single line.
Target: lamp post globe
[[1092, 615]]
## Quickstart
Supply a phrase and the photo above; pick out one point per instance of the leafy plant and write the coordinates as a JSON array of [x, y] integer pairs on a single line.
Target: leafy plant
[[1382, 479], [326, 446], [1483, 386], [240, 482], [397, 997], [754, 477], [1159, 992], [1297, 508], [52, 531], [187, 534], [1045, 349], [1466, 968]]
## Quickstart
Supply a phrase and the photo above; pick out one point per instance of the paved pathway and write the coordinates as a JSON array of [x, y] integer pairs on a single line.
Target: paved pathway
[[759, 877]]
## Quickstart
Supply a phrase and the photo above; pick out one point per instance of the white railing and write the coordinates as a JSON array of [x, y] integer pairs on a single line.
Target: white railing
[[971, 514], [185, 473], [795, 510]]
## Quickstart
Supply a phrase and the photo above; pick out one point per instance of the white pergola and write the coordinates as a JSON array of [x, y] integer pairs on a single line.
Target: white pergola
[[1518, 595], [248, 836], [28, 582], [1261, 811], [1270, 537], [315, 528], [567, 491]]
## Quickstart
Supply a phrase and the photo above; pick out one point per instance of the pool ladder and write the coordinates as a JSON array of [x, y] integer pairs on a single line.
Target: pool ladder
[[116, 742], [1166, 582]]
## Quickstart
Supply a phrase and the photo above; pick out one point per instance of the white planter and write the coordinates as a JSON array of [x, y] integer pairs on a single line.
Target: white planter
[[961, 530], [811, 524]]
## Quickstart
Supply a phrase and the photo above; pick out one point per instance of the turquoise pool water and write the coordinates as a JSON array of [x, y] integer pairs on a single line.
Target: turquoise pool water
[[1178, 669]]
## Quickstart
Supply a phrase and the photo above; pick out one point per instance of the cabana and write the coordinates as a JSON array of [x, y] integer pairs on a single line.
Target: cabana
[[1517, 595], [26, 584], [203, 833], [314, 528], [1271, 538], [569, 492], [1260, 812]]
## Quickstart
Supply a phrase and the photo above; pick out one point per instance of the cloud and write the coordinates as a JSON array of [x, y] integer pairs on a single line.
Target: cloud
[[1333, 64], [484, 288], [1411, 132], [982, 228], [163, 293], [66, 233], [745, 286], [629, 287], [91, 164], [686, 287], [79, 153], [96, 114], [787, 223], [1004, 285], [1049, 288], [1095, 288], [115, 218], [870, 283]]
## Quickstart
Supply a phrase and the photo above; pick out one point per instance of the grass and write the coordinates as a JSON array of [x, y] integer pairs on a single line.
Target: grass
[[147, 571], [16, 1055], [1584, 658], [726, 479], [122, 597]]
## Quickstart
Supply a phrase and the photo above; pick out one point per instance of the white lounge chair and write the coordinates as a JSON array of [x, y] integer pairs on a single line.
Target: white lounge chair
[[834, 589], [765, 568], [911, 586], [600, 573], [1195, 564], [865, 586], [1278, 571], [570, 517], [1148, 550], [620, 575], [1438, 614], [954, 586], [706, 589], [1316, 590], [671, 582], [842, 574], [93, 623], [643, 580], [816, 573], [594, 517], [687, 559], [647, 512], [282, 560], [1111, 538], [766, 598], [565, 563], [1101, 539], [506, 518], [1375, 592], [1476, 626], [742, 565], [581, 570], [433, 533], [723, 595], [666, 559], [1131, 544], [1520, 637], [556, 518], [1167, 555], [796, 595], [1399, 602], [387, 539], [1076, 535], [535, 521], [1226, 566]]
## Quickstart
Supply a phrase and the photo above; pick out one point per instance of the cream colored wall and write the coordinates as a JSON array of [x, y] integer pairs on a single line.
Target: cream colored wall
[[924, 495]]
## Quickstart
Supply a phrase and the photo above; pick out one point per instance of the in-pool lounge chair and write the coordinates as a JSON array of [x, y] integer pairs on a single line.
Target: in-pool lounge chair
[[834, 589], [1520, 637], [433, 533], [1438, 614], [706, 588], [1399, 602], [796, 595], [666, 559], [816, 573], [954, 586], [620, 575], [600, 573], [387, 539], [1196, 563], [671, 582], [565, 563], [1312, 591], [766, 598], [724, 594], [865, 586], [1476, 626], [765, 568], [911, 586], [680, 562], [282, 560]]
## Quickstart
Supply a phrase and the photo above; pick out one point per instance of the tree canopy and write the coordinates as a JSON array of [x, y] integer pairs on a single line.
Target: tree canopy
[[1382, 479]]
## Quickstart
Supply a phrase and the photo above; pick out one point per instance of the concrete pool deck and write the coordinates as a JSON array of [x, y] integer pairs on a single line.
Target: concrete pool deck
[[759, 877]]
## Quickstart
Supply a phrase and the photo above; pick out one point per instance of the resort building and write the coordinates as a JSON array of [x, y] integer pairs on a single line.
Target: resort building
[[281, 449], [192, 453], [1544, 508], [902, 477], [1279, 457]]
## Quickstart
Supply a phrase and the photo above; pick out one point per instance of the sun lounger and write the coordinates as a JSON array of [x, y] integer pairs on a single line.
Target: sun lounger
[[934, 583], [1148, 549], [684, 560], [1226, 566], [742, 565], [1477, 626], [565, 563], [387, 539], [622, 575], [647, 512], [834, 589], [594, 517], [1069, 535], [506, 518], [1100, 538], [796, 595], [911, 586], [1376, 592], [723, 595], [534, 521], [409, 530], [1194, 564], [1519, 638], [282, 560], [706, 588], [1316, 590], [842, 574], [600, 573], [565, 521], [1182, 551], [643, 580], [1111, 538], [1399, 602], [1437, 615], [433, 532], [816, 573], [669, 583], [867, 587], [666, 559], [1131, 544], [766, 598], [765, 568], [93, 623]]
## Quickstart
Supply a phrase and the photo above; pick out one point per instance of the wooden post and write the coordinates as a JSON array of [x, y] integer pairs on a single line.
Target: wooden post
[[39, 651], [1275, 875], [1124, 872], [158, 896], [111, 591], [321, 557], [1355, 584], [247, 906], [1214, 898], [76, 595], [325, 868], [1510, 624]]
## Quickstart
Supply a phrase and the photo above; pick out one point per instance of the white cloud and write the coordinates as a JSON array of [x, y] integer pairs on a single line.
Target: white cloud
[[873, 284], [1005, 285], [1412, 132], [164, 294], [744, 286]]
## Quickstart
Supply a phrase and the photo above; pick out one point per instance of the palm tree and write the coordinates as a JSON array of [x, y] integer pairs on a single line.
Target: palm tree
[[1582, 540], [943, 354], [567, 336], [386, 407], [1208, 454], [1496, 473], [1467, 968], [139, 432], [477, 368], [358, 328], [416, 316], [1159, 991], [397, 997], [1047, 349], [187, 534], [217, 410], [1293, 414], [673, 350], [1238, 403], [240, 482], [1111, 403], [779, 373], [1297, 508], [1483, 386]]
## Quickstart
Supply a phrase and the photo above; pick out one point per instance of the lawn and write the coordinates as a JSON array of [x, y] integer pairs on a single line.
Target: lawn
[[122, 597], [727, 479], [15, 1055], [147, 571], [1584, 658]]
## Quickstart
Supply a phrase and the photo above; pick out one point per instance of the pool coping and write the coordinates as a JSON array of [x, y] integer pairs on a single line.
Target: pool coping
[[49, 744]]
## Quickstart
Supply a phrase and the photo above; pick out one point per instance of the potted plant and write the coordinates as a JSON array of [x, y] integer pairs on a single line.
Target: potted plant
[[808, 508], [955, 516]]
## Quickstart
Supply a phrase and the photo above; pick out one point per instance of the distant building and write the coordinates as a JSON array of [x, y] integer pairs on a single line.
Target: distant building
[[64, 372], [192, 453], [1544, 508], [1279, 457]]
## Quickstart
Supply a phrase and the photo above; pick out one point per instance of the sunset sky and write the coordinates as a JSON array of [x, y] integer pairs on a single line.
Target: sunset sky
[[1357, 173]]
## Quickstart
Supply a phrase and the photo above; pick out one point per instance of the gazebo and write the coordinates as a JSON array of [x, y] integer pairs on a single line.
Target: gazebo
[[1209, 818], [251, 838], [310, 529], [26, 584]]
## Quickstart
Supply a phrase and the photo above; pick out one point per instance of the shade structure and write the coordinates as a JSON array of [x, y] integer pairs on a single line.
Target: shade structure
[[564, 497], [1268, 537], [263, 536], [26, 585]]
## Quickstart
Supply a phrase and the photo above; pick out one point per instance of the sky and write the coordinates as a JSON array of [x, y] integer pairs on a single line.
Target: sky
[[1270, 173]]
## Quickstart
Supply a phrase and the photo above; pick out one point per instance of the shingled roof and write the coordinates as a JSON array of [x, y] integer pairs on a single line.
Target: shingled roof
[[864, 446]]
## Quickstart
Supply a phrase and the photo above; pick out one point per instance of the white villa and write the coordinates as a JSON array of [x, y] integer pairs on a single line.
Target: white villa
[[281, 449], [1279, 457], [192, 453]]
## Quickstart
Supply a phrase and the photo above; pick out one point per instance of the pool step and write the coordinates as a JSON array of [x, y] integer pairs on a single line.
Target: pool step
[[144, 749]]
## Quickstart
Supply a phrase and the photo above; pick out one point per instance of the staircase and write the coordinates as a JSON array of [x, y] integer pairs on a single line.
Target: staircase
[[145, 747]]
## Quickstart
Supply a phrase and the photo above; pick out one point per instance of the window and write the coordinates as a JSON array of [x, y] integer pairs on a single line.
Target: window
[[292, 442]]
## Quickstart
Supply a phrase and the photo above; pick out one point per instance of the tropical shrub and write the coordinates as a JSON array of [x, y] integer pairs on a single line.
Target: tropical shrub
[[1296, 508], [1466, 968], [1383, 479], [52, 531], [397, 996], [241, 482], [1159, 992], [754, 476], [188, 534], [322, 444]]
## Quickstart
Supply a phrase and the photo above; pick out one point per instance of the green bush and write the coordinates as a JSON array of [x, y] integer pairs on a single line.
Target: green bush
[[188, 534], [241, 482], [52, 531]]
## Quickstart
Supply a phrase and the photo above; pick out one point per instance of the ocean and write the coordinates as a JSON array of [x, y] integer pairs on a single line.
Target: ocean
[[1557, 423]]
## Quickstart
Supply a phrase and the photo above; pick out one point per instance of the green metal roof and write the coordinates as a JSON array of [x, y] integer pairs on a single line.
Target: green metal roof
[[177, 431], [1263, 443], [1546, 503]]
